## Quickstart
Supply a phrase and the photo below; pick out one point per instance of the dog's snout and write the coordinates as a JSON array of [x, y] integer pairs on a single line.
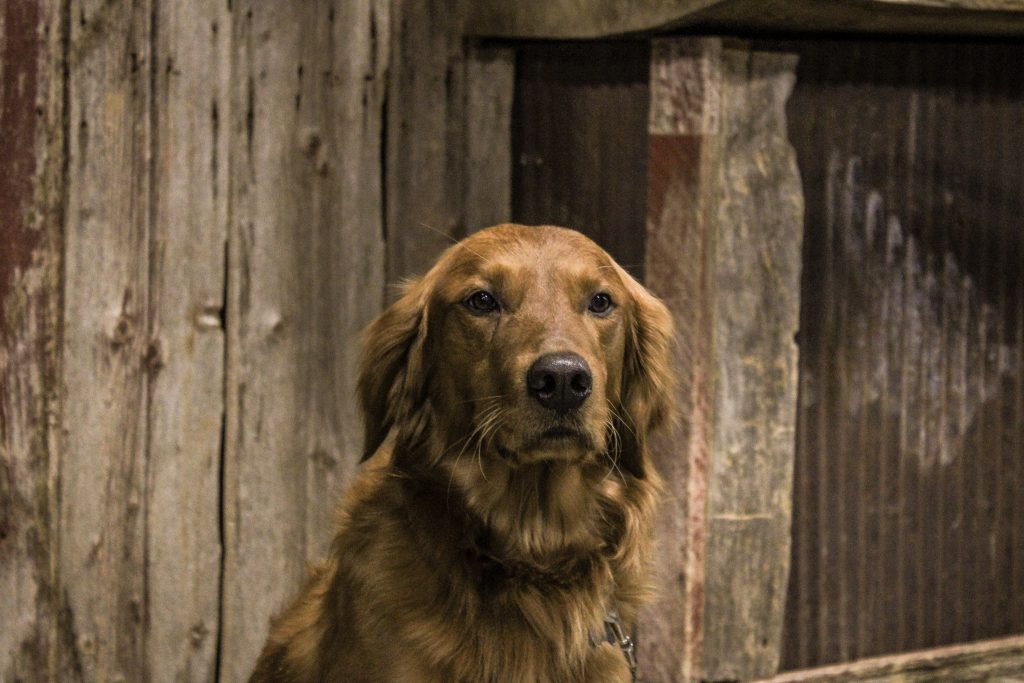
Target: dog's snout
[[559, 381]]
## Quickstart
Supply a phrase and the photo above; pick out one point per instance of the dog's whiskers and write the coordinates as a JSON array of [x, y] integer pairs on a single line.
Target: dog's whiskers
[[621, 418], [489, 417], [490, 428]]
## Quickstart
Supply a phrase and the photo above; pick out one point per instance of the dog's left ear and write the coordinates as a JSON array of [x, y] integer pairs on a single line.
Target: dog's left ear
[[648, 377], [392, 372]]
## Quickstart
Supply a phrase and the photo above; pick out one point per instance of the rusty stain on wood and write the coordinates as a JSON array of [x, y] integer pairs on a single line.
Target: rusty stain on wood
[[678, 269], [31, 191], [22, 51]]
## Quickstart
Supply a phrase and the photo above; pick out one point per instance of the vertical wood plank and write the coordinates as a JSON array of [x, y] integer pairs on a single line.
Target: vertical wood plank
[[31, 193], [425, 144], [306, 273], [685, 89], [106, 316], [724, 234], [758, 231], [184, 354], [490, 84]]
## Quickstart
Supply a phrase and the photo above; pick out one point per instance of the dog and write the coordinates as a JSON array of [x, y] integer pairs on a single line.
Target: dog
[[501, 527]]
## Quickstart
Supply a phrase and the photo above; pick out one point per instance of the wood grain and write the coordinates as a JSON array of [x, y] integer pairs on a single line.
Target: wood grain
[[724, 232], [184, 351], [107, 315], [490, 84], [425, 143], [31, 195], [305, 274], [758, 234]]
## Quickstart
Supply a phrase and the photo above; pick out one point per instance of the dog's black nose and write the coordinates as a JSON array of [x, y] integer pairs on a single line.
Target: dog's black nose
[[559, 381]]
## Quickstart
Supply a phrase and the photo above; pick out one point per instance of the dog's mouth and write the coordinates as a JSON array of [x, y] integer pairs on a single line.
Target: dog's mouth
[[561, 434], [554, 442]]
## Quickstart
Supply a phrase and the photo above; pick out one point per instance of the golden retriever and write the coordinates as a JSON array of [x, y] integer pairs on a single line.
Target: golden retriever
[[502, 526]]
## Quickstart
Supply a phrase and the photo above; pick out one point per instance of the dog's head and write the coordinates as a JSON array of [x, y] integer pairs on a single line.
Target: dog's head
[[522, 344]]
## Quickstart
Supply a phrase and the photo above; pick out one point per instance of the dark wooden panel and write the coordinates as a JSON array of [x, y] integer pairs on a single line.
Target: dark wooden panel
[[579, 140], [908, 521]]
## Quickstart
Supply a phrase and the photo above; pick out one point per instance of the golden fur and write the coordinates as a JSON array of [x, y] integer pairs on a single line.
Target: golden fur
[[473, 547]]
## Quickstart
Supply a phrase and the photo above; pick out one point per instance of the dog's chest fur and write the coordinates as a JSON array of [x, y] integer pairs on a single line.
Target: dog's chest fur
[[444, 589]]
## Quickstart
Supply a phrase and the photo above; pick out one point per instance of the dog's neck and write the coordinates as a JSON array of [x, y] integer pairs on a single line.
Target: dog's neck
[[538, 513]]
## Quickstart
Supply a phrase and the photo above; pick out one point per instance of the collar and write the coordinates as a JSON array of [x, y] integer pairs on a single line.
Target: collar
[[615, 633]]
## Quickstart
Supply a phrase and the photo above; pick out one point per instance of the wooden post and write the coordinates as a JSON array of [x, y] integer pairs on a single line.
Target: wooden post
[[723, 249], [490, 84]]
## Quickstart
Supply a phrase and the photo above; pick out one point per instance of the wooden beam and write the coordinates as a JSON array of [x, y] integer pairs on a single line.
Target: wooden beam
[[725, 223], [1001, 659], [425, 143], [603, 18]]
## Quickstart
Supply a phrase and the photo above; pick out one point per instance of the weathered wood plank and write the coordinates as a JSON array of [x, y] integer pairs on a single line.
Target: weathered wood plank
[[604, 18], [724, 232], [991, 660], [306, 273], [490, 83], [185, 348], [425, 143], [758, 234], [106, 336], [31, 191], [685, 86]]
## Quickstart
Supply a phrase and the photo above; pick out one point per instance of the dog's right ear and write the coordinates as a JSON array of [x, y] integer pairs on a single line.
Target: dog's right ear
[[392, 372]]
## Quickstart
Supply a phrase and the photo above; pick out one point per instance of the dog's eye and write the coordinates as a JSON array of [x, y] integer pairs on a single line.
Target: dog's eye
[[481, 303], [600, 304]]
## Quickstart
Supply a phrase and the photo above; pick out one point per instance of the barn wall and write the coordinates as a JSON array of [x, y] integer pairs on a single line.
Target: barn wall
[[193, 236], [910, 458]]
